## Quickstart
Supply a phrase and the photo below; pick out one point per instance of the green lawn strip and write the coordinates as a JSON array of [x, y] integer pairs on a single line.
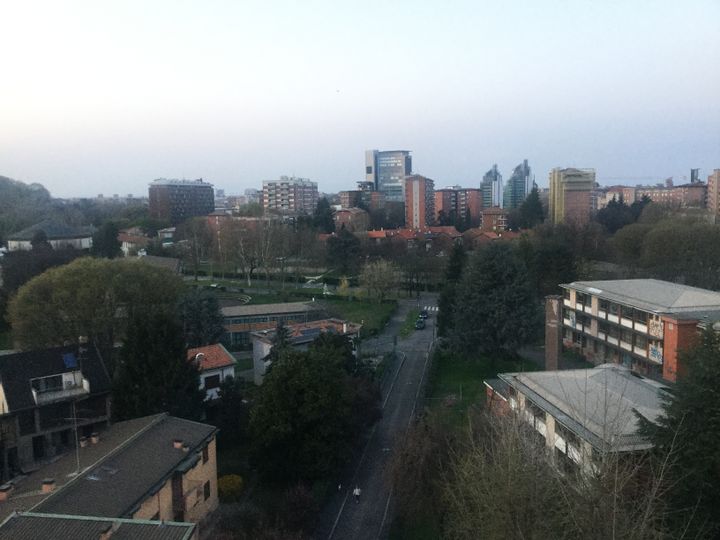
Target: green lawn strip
[[408, 326], [373, 316], [5, 339]]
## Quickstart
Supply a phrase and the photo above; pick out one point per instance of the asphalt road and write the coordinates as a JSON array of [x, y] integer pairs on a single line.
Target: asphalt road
[[343, 518]]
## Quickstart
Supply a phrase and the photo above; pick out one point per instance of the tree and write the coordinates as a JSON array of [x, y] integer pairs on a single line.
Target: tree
[[323, 217], [343, 250], [496, 311], [531, 210], [446, 301], [615, 215], [201, 318], [280, 342], [89, 297], [628, 244], [232, 414], [689, 431], [105, 241], [195, 239], [153, 374], [379, 278]]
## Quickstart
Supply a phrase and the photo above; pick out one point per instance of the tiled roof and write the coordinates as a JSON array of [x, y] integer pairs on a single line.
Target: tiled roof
[[377, 234], [117, 484], [16, 370], [137, 239], [33, 526], [307, 332], [213, 356]]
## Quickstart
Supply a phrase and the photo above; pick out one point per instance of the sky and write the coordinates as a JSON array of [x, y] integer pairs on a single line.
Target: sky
[[104, 96]]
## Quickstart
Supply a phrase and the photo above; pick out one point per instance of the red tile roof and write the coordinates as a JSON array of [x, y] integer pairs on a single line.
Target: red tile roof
[[214, 357]]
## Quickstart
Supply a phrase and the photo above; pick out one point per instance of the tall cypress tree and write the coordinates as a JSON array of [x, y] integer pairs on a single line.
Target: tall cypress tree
[[154, 374], [446, 302]]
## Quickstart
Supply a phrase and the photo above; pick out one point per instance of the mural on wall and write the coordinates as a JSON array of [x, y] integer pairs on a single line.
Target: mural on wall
[[656, 353], [655, 328]]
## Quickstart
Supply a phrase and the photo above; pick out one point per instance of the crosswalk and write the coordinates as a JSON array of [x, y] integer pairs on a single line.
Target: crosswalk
[[430, 308]]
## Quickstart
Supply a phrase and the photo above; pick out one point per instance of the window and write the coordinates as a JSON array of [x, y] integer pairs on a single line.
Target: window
[[206, 454], [614, 309], [566, 294], [604, 305], [213, 381], [206, 490]]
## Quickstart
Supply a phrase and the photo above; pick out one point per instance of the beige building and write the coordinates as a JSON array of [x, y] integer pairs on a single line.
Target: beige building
[[570, 195], [713, 192], [290, 195]]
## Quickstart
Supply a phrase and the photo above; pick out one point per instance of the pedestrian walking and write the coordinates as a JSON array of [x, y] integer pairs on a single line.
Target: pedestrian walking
[[356, 493]]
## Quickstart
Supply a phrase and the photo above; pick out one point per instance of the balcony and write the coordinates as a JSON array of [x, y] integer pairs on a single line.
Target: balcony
[[66, 386]]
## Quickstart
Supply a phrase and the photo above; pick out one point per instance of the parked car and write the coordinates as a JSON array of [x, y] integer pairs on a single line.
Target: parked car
[[424, 314], [419, 324]]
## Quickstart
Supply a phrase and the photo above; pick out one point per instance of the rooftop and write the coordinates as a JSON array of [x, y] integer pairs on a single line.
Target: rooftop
[[267, 309], [33, 526], [176, 182], [307, 332], [598, 404], [651, 295], [53, 230], [132, 467], [213, 356]]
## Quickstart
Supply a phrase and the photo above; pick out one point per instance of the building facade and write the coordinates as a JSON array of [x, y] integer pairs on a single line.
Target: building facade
[[178, 200], [58, 235], [419, 202], [684, 196], [643, 324], [387, 170], [493, 219], [215, 364], [713, 192], [492, 188], [351, 219], [518, 186], [290, 195], [570, 195], [240, 321]]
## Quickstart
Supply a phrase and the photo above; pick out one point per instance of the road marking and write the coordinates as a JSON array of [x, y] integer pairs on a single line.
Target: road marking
[[387, 507]]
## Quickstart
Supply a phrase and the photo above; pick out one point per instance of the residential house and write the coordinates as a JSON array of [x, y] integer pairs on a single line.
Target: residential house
[[132, 240], [215, 364], [44, 395], [300, 337]]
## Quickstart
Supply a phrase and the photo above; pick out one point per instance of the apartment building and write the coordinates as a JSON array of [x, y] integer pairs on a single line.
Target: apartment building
[[570, 195], [518, 186], [240, 321], [459, 203], [178, 200], [684, 196], [713, 192], [419, 202], [387, 170], [492, 188], [493, 219], [290, 195], [643, 324]]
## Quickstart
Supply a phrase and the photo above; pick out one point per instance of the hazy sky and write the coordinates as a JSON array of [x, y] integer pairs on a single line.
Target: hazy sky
[[104, 96]]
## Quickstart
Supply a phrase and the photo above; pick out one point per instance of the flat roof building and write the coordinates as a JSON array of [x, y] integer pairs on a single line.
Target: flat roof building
[[178, 200], [241, 320], [419, 202], [290, 195], [387, 170], [570, 195]]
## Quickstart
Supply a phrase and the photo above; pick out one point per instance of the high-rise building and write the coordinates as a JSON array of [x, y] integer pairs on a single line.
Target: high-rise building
[[178, 200], [419, 202], [570, 195], [387, 170], [492, 188], [518, 186], [456, 204], [290, 195], [713, 192]]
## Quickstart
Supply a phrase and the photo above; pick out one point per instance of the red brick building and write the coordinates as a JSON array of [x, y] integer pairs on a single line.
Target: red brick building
[[352, 219]]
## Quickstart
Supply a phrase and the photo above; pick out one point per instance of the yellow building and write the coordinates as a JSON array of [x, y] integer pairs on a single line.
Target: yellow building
[[570, 195]]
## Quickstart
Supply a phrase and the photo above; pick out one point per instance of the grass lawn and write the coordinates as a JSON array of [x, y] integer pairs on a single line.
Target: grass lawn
[[372, 315], [5, 339], [456, 382], [408, 326]]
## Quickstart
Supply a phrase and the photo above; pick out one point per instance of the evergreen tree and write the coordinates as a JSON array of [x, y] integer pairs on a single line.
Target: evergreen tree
[[201, 318], [105, 241], [495, 309], [531, 210], [154, 374], [689, 432], [323, 217], [280, 341], [232, 412], [446, 302], [343, 250]]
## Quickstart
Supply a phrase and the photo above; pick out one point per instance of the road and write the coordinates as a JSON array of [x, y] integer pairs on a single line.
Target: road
[[343, 518]]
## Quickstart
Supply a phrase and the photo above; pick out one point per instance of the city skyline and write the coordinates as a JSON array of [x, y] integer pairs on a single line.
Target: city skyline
[[106, 98]]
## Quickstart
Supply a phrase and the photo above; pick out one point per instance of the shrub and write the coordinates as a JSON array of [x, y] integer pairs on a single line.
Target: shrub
[[229, 487]]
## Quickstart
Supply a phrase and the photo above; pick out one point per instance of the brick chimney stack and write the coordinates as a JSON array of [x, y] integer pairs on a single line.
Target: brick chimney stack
[[553, 331]]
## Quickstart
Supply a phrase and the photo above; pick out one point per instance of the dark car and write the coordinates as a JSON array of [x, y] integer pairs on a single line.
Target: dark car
[[419, 324], [424, 314]]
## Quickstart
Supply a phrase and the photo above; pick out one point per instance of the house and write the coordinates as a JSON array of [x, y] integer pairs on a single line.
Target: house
[[31, 525], [643, 324], [132, 240], [300, 338], [352, 219], [215, 364], [240, 321], [44, 395], [493, 219], [583, 415], [157, 468], [59, 235]]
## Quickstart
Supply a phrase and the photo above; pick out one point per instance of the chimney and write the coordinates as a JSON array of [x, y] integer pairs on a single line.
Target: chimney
[[48, 485], [198, 358], [95, 437], [82, 350], [5, 491], [553, 331], [177, 444], [108, 533], [83, 442]]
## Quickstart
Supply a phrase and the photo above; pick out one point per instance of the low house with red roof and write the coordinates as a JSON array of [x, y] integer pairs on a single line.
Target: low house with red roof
[[215, 364], [132, 240]]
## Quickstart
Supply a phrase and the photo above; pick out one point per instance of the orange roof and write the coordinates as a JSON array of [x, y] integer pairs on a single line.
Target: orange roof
[[214, 357], [133, 239], [377, 234], [445, 229]]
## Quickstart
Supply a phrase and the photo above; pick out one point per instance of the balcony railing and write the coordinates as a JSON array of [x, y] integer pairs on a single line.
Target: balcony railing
[[44, 397]]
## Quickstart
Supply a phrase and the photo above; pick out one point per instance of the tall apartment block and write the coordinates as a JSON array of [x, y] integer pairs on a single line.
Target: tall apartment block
[[387, 170], [492, 188], [518, 186], [713, 192], [643, 324], [570, 195], [178, 200], [458, 203], [419, 202], [290, 195]]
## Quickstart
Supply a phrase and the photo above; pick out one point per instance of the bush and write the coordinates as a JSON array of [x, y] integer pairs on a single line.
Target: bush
[[229, 487]]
